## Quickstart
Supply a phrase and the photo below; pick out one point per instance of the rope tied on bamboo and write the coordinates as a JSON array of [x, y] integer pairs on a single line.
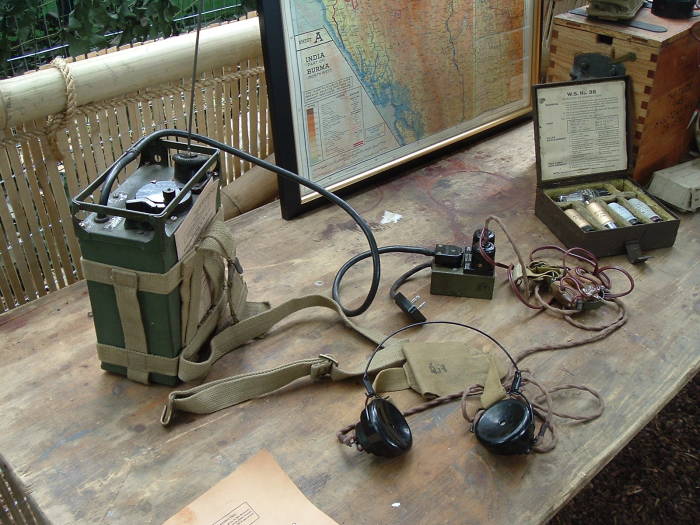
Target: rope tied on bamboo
[[138, 97], [58, 121]]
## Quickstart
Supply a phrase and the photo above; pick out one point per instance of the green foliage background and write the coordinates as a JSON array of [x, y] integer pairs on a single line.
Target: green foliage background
[[91, 20], [86, 25]]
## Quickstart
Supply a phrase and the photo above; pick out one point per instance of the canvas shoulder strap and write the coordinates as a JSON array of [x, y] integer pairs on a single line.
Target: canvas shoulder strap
[[210, 274], [230, 391]]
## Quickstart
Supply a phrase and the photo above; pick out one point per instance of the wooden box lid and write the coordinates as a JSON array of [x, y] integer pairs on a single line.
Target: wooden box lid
[[676, 29]]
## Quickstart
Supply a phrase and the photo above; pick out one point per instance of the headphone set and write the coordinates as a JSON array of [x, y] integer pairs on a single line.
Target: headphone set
[[507, 427]]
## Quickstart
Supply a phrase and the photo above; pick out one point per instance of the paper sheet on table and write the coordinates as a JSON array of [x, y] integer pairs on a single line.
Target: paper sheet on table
[[256, 493]]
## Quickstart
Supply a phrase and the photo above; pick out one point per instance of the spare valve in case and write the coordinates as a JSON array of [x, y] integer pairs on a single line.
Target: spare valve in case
[[464, 272], [146, 225]]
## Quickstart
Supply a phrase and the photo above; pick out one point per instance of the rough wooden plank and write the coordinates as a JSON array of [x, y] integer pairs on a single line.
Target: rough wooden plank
[[86, 144], [232, 92], [147, 112], [135, 120], [159, 118], [49, 238], [253, 108], [7, 300], [94, 450], [124, 129], [37, 196], [93, 128], [200, 113], [24, 217], [75, 162], [72, 270], [106, 136], [210, 109], [222, 110]]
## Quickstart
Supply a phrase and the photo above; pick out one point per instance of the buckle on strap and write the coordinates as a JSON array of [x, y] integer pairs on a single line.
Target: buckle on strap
[[321, 369], [236, 264]]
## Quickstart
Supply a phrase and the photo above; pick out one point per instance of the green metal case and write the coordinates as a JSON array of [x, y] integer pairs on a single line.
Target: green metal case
[[453, 281], [147, 244]]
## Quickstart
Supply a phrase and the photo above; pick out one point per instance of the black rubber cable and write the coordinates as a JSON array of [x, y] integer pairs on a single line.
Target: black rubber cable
[[132, 153], [335, 290], [399, 282]]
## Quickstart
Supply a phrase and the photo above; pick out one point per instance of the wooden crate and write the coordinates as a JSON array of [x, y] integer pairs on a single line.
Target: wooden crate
[[665, 78]]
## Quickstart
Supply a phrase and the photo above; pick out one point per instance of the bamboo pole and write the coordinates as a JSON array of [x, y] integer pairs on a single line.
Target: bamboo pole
[[254, 188], [42, 93]]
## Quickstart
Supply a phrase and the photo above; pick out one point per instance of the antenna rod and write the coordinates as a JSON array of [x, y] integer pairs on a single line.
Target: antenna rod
[[194, 76]]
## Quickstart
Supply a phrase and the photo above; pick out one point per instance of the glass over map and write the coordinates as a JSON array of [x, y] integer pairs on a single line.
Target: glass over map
[[373, 81]]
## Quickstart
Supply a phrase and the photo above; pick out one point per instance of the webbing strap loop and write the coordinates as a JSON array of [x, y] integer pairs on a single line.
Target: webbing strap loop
[[200, 274], [204, 288], [160, 283], [118, 356], [125, 284]]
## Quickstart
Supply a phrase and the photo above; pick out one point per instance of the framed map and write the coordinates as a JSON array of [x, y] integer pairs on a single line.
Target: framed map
[[359, 87]]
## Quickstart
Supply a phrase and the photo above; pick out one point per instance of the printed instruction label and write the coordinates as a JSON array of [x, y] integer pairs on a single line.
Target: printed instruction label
[[582, 129]]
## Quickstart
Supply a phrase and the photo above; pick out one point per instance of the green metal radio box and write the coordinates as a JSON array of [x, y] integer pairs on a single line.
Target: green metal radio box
[[142, 229]]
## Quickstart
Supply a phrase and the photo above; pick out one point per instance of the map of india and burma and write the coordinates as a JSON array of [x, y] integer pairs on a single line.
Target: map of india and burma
[[377, 76]]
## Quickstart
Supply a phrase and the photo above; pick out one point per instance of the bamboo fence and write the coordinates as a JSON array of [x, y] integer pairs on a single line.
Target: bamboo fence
[[40, 171], [17, 507]]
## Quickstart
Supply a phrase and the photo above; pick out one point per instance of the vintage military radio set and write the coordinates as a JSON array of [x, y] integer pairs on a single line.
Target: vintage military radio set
[[144, 227], [164, 280]]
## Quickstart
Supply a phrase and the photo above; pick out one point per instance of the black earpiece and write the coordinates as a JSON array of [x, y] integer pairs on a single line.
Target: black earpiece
[[507, 427], [383, 430]]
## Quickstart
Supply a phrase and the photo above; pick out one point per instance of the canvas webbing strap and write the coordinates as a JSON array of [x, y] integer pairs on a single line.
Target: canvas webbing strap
[[160, 283], [125, 290], [213, 253], [214, 250], [205, 266], [132, 360], [240, 333], [229, 391]]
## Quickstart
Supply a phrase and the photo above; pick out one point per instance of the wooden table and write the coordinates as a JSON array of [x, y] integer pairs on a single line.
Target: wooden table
[[91, 445]]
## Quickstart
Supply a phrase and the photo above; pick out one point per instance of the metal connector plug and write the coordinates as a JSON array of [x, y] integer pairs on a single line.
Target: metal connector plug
[[409, 307]]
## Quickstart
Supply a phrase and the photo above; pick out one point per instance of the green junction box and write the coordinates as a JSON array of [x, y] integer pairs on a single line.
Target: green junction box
[[453, 281]]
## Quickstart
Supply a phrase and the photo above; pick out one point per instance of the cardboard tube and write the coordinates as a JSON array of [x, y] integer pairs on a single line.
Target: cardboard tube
[[578, 220], [601, 215], [37, 95], [254, 188]]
